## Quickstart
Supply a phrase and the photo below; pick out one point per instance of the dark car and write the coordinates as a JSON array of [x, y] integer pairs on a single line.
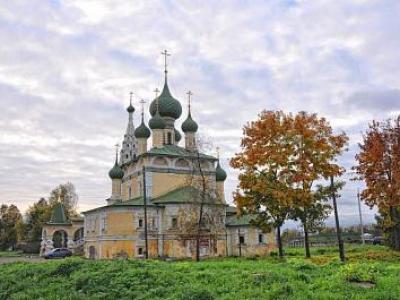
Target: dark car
[[378, 240], [58, 253]]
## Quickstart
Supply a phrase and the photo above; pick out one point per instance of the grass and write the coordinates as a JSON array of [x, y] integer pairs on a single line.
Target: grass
[[321, 277]]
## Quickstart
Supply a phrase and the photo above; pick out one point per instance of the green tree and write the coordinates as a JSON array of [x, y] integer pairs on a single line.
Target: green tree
[[66, 193], [10, 217], [37, 215]]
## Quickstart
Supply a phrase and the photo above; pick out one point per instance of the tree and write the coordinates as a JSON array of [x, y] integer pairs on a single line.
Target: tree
[[318, 210], [10, 217], [68, 196], [314, 158], [37, 215], [292, 152], [264, 182], [379, 167], [258, 195]]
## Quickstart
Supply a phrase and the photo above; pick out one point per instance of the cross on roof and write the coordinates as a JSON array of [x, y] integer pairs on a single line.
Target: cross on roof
[[165, 53], [142, 102], [130, 98], [189, 93], [217, 152]]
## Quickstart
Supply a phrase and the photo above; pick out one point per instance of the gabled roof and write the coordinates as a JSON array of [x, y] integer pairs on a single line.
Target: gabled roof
[[186, 194], [181, 195], [58, 215], [243, 220], [173, 150]]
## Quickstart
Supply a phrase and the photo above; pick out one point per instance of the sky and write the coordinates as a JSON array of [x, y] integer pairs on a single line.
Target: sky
[[67, 67]]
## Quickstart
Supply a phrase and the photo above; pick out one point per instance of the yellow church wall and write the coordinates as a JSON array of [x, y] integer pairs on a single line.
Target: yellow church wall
[[165, 182], [113, 249], [120, 223]]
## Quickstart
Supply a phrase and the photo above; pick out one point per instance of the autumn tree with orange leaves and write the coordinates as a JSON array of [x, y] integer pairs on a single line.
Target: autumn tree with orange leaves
[[282, 156], [379, 167]]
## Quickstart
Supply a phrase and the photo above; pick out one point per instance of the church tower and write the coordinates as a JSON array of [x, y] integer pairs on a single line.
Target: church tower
[[116, 174], [142, 133], [189, 127], [129, 150], [169, 110]]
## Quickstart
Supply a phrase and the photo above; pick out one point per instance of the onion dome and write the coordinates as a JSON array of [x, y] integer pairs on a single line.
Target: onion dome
[[178, 135], [116, 172], [142, 131], [220, 173], [130, 109], [157, 122], [189, 125], [168, 106]]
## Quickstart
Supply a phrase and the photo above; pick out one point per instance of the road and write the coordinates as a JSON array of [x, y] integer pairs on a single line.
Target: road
[[6, 260]]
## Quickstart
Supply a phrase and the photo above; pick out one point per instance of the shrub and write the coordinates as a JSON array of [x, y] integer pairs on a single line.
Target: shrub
[[67, 267], [359, 272]]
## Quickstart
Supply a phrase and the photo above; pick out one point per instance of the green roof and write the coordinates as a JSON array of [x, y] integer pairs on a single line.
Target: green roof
[[173, 150], [189, 125], [220, 174], [231, 210], [239, 221], [156, 122], [186, 194], [168, 106], [116, 172], [58, 215], [178, 135], [142, 131]]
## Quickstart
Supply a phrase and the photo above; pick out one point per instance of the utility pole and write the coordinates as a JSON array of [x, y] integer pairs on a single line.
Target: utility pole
[[338, 233], [146, 252], [361, 220]]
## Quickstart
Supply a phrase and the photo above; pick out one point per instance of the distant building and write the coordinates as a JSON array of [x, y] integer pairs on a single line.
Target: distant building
[[179, 183]]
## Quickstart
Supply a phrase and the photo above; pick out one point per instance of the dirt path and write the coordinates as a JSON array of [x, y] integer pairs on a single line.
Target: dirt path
[[7, 260]]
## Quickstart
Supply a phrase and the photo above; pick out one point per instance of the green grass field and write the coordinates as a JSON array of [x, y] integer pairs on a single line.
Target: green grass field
[[321, 277]]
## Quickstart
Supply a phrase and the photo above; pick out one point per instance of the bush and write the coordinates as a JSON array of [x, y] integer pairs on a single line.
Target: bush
[[360, 272]]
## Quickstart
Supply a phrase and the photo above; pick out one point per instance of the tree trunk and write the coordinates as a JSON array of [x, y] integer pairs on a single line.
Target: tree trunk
[[279, 240], [396, 228], [306, 241]]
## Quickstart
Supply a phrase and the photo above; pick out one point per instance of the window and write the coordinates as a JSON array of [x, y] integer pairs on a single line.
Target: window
[[140, 223], [140, 251], [169, 138], [130, 192], [153, 223], [241, 239], [261, 238], [174, 223], [103, 223]]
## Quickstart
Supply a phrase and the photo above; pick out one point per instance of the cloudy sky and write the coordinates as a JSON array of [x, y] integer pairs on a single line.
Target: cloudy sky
[[66, 69]]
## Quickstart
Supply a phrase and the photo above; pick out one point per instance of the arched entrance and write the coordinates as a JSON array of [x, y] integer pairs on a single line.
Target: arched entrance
[[60, 239], [78, 234], [92, 252]]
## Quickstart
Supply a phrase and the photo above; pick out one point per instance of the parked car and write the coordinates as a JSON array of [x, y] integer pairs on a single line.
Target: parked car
[[378, 240], [58, 253]]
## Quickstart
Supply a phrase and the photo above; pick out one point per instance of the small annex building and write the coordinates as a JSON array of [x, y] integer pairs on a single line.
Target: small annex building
[[61, 232]]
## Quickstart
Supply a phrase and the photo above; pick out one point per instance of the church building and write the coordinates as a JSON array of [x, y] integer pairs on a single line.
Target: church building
[[161, 186]]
